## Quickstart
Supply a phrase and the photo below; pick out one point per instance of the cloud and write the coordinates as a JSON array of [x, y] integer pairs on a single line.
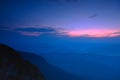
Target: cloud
[[2, 27], [92, 16], [61, 1], [68, 0], [93, 33], [115, 34], [33, 30], [37, 31], [29, 33], [42, 29]]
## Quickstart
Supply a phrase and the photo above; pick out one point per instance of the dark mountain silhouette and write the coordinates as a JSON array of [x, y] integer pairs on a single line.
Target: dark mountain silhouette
[[14, 67], [19, 66]]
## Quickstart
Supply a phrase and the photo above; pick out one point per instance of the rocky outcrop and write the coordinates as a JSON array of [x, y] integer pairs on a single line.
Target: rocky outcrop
[[14, 67]]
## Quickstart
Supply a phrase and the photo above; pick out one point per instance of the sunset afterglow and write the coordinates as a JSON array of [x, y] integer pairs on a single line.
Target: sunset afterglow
[[65, 39], [93, 33]]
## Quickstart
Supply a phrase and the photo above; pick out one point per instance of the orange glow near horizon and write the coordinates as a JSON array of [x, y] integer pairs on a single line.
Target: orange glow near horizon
[[93, 33]]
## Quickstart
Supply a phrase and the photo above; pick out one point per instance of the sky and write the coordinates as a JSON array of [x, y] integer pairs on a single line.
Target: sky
[[59, 22]]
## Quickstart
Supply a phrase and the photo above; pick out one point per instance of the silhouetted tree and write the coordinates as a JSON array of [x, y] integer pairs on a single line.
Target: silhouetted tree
[[13, 67]]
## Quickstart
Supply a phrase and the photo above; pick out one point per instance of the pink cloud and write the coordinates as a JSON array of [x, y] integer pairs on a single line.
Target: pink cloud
[[29, 33], [37, 31], [93, 33]]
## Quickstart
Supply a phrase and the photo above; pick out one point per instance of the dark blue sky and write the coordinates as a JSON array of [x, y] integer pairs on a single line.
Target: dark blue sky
[[60, 25]]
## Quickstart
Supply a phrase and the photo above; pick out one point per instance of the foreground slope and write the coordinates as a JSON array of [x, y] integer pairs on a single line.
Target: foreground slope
[[14, 67]]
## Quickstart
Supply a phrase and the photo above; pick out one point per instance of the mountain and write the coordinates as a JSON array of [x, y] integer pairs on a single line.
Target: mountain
[[14, 67], [54, 66]]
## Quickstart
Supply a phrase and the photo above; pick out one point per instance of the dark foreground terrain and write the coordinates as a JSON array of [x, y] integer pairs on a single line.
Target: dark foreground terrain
[[28, 66], [14, 67]]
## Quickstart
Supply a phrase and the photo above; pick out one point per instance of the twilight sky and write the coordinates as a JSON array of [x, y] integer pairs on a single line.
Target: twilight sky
[[57, 22], [89, 18]]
